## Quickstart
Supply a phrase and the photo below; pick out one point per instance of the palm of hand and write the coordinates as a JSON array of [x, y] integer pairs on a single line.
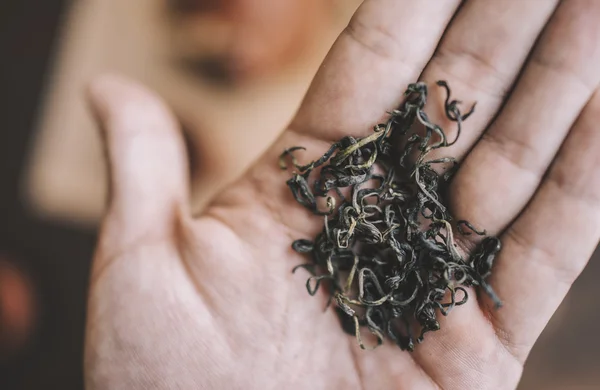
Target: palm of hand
[[211, 302]]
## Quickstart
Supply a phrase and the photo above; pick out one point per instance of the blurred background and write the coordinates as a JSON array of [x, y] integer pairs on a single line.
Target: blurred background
[[234, 71]]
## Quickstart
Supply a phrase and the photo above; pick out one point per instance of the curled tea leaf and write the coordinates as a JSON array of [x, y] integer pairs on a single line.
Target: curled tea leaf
[[388, 249]]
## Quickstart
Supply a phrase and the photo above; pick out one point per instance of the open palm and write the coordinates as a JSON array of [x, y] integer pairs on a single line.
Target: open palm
[[210, 302]]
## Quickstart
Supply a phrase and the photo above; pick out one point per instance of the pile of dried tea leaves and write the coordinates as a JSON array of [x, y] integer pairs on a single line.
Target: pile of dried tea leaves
[[387, 254]]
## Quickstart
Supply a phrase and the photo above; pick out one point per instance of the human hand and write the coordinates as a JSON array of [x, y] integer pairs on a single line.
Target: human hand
[[209, 302]]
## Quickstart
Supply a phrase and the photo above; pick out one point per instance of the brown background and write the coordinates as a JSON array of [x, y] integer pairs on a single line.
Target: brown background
[[57, 254]]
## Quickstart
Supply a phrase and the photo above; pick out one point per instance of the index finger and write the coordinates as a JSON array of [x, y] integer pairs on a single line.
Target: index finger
[[385, 47]]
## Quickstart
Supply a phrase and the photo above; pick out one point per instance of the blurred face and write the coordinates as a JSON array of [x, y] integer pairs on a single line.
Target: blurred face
[[253, 36]]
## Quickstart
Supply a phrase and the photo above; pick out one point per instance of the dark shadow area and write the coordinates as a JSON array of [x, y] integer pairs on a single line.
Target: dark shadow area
[[56, 257]]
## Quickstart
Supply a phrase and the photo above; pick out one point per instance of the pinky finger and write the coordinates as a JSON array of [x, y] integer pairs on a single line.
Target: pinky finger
[[549, 244]]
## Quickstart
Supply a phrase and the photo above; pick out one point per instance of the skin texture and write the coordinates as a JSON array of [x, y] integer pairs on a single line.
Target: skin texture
[[209, 302]]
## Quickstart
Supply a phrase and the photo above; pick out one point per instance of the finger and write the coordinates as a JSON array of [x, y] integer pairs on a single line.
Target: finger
[[146, 159], [480, 56], [383, 49], [546, 248], [513, 155], [550, 81]]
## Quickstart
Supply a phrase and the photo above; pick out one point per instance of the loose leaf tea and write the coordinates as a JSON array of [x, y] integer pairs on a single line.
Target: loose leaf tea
[[387, 254]]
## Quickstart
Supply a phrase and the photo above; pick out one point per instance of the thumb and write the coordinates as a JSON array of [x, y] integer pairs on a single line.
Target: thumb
[[146, 161]]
